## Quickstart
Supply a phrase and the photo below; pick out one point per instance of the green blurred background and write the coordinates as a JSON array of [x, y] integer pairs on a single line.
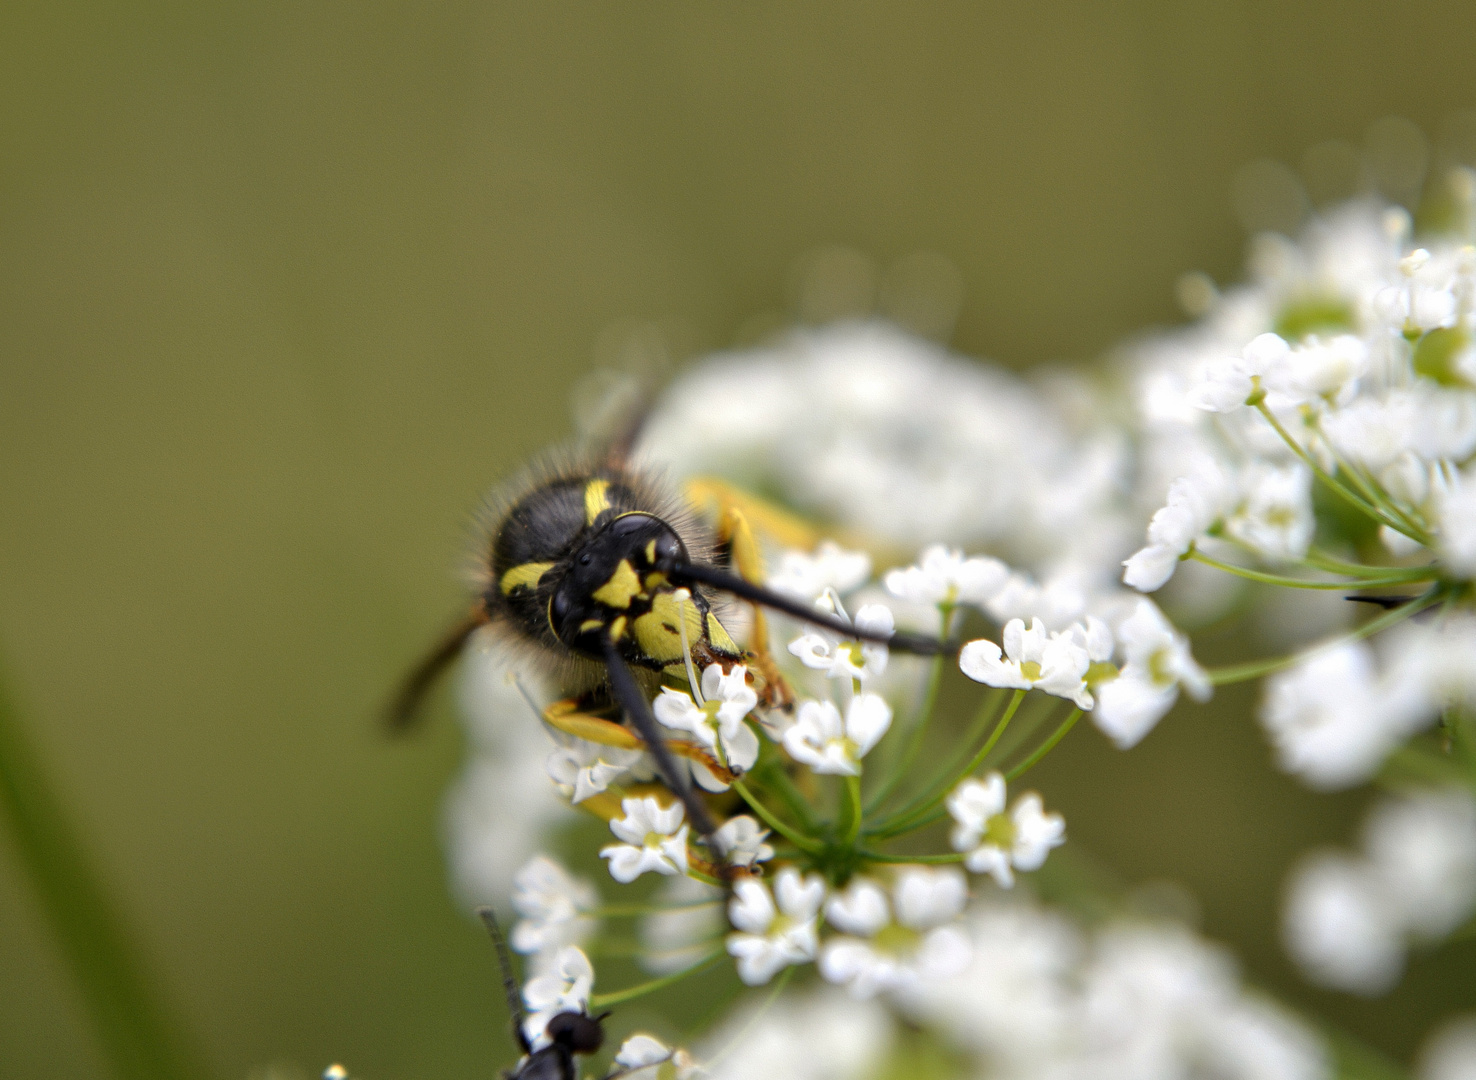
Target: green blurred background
[[285, 287]]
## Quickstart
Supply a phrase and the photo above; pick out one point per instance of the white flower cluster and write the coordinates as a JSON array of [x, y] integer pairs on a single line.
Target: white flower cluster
[[1335, 717], [1349, 918], [1358, 346], [896, 438], [496, 812], [1028, 994]]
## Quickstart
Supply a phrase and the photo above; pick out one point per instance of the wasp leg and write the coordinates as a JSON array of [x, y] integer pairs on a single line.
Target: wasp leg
[[712, 497], [568, 716], [633, 703], [748, 560]]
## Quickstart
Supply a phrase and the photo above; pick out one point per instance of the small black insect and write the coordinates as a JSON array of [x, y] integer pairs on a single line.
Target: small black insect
[[571, 1032], [596, 570]]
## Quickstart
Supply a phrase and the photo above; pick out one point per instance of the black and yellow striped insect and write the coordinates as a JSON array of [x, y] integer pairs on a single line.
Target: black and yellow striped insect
[[596, 570]]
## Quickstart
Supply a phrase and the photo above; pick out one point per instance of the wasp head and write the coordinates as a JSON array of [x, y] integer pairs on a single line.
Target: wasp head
[[617, 578]]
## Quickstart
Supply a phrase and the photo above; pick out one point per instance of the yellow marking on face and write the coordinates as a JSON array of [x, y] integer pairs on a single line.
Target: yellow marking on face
[[651, 551], [655, 579], [595, 500], [525, 576], [590, 624], [721, 640], [623, 584], [657, 632], [617, 629]]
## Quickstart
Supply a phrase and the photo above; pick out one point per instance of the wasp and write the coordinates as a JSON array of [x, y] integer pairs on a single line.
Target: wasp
[[595, 568]]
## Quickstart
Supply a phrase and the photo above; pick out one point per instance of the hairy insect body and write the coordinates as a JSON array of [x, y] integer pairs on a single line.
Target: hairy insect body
[[585, 558]]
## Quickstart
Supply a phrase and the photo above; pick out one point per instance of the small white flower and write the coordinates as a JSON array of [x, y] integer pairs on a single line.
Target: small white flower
[[1455, 511], [840, 659], [1338, 925], [1423, 848], [552, 904], [641, 1057], [1449, 1052], [741, 841], [769, 938], [1321, 368], [876, 954], [1032, 660], [680, 932], [927, 896], [717, 723], [1157, 661], [820, 739], [1056, 602], [1229, 384], [1275, 518], [943, 576], [565, 987], [1327, 719], [998, 843], [655, 839], [861, 908], [829, 567], [1194, 504], [584, 768]]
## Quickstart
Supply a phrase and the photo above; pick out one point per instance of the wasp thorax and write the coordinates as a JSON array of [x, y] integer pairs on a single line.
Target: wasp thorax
[[616, 583]]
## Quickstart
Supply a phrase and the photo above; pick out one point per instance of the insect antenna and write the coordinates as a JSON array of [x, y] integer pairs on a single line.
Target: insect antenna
[[1385, 602], [404, 708], [632, 701], [919, 644], [509, 981]]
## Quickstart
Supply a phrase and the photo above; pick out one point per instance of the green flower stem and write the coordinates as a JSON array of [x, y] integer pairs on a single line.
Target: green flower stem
[[604, 1001], [627, 950], [1425, 764], [132, 1025], [989, 710], [1044, 748], [804, 843], [1370, 491], [850, 823], [884, 857], [899, 769], [772, 775], [1321, 560], [1342, 491], [1254, 669], [904, 821], [939, 784], [737, 1040], [1402, 577]]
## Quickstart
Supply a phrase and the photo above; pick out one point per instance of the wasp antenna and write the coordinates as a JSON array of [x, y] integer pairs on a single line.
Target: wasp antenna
[[919, 644], [628, 694], [1385, 602], [404, 709], [509, 981]]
